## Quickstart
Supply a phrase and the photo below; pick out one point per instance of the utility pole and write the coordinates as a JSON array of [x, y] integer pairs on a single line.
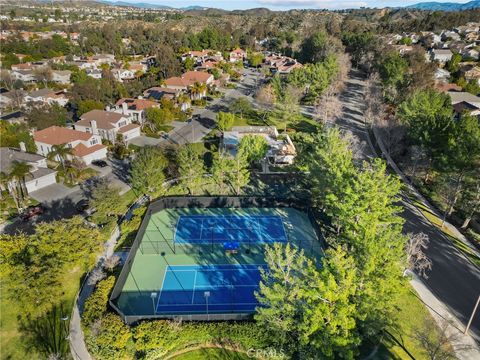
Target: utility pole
[[473, 314]]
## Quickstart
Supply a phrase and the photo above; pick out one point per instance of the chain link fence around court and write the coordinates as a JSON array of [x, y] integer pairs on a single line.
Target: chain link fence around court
[[159, 239]]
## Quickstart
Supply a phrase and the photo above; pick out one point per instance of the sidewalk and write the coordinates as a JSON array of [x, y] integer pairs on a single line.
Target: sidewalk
[[413, 190], [77, 341], [464, 346]]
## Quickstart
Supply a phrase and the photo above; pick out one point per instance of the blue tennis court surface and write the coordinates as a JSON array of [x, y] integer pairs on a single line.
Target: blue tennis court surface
[[198, 289], [206, 229]]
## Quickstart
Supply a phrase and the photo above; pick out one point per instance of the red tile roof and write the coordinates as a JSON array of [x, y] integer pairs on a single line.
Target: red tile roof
[[57, 135], [127, 128], [137, 104], [81, 150], [104, 119]]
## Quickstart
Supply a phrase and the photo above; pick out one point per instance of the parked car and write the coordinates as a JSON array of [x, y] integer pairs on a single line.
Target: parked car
[[32, 212], [100, 163]]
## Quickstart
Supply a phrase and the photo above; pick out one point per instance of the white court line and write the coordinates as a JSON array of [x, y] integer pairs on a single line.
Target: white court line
[[160, 292], [212, 304], [194, 285]]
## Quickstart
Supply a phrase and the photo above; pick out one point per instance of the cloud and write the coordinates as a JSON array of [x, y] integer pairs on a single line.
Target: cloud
[[321, 4]]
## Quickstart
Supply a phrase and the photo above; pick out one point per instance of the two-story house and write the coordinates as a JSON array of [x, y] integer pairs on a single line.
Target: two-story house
[[134, 108], [108, 125], [87, 147]]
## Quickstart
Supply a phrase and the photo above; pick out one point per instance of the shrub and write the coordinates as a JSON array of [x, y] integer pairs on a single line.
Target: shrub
[[96, 304], [167, 336], [108, 338]]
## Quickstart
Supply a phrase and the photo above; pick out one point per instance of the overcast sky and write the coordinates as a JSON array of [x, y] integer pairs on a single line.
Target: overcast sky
[[287, 4]]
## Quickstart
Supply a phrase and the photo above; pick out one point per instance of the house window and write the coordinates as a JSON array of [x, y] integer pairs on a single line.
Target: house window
[[122, 123]]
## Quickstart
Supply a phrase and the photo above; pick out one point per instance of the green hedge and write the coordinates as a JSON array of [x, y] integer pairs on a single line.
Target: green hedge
[[96, 304], [110, 339], [166, 336]]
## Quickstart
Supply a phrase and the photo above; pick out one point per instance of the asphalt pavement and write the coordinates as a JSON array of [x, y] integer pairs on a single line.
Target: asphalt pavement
[[453, 279]]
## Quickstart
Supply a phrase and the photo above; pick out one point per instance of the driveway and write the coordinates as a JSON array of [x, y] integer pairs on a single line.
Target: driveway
[[53, 192], [453, 279], [204, 120], [143, 140]]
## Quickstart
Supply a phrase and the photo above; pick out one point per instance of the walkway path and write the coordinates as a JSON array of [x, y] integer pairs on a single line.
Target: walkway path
[[453, 280]]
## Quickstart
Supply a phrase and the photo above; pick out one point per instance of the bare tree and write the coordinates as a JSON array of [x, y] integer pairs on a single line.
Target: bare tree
[[96, 275], [43, 74], [329, 107], [450, 190], [7, 79], [112, 262], [436, 341], [417, 260], [471, 200]]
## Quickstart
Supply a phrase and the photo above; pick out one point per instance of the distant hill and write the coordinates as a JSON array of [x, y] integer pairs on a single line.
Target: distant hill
[[445, 6], [145, 5]]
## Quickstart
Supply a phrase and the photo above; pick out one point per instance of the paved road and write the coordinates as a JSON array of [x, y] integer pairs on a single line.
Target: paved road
[[59, 201], [204, 119], [453, 279]]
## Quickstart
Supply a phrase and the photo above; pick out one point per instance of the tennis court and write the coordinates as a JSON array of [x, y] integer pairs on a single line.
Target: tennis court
[[209, 289], [202, 229]]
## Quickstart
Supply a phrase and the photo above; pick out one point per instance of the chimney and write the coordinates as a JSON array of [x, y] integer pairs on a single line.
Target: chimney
[[107, 108], [140, 97], [93, 125], [23, 148], [124, 108]]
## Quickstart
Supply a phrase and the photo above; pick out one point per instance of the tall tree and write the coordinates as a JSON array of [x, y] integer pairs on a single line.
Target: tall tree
[[147, 173], [253, 147], [190, 168], [167, 61], [104, 200], [222, 167]]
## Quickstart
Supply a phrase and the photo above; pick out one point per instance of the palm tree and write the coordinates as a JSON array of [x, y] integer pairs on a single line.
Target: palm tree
[[183, 99], [198, 90], [18, 173], [62, 152]]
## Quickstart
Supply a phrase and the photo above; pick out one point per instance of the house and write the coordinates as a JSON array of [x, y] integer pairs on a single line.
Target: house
[[462, 96], [467, 107], [199, 56], [442, 75], [136, 66], [472, 73], [39, 175], [100, 59], [22, 66], [470, 53], [123, 74], [281, 64], [441, 55], [174, 95], [108, 125], [281, 150], [450, 35], [188, 79], [238, 55], [94, 73], [134, 108], [26, 76], [85, 64], [47, 96], [86, 147], [61, 76]]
